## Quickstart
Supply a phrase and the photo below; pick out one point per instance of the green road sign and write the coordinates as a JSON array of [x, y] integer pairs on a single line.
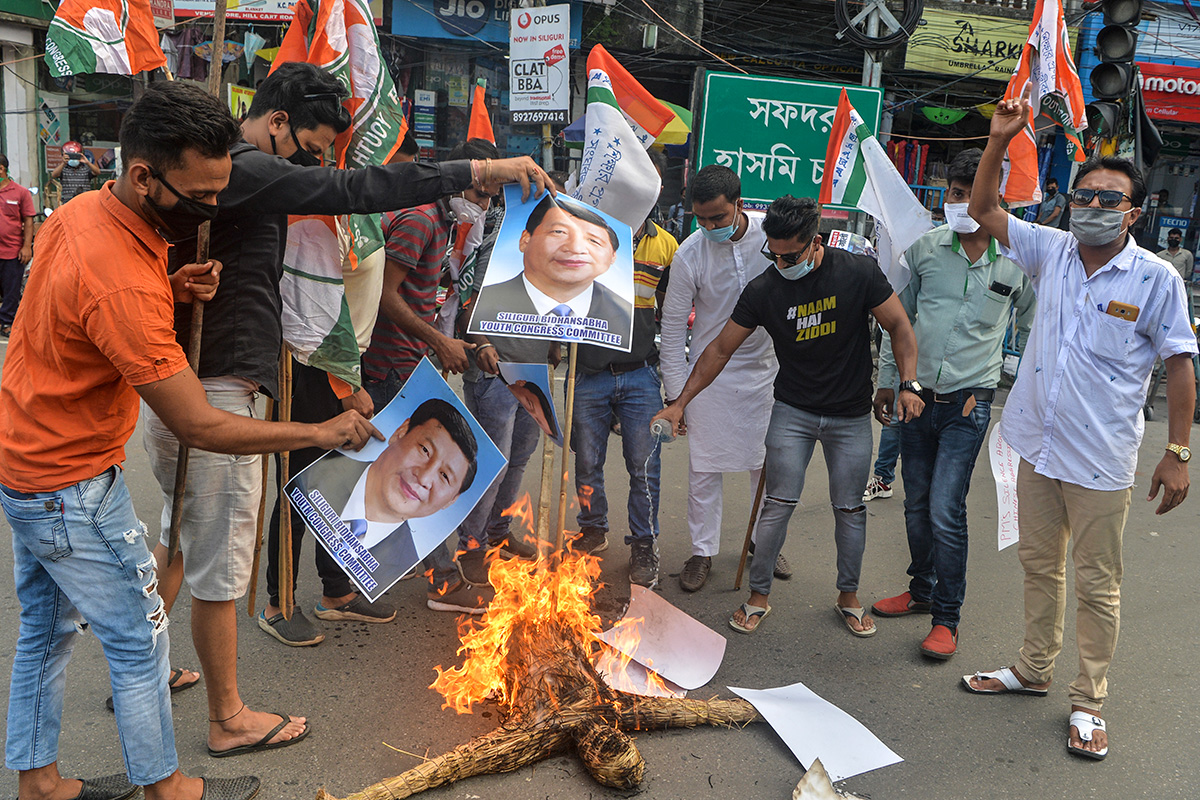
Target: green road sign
[[773, 131]]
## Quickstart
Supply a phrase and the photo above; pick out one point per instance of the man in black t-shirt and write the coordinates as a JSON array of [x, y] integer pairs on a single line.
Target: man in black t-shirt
[[814, 305]]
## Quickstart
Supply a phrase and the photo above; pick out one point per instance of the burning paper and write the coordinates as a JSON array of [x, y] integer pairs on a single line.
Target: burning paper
[[626, 675], [659, 636], [812, 727]]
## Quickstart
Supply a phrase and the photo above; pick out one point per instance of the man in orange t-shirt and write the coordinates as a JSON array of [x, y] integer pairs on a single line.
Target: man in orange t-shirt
[[95, 332]]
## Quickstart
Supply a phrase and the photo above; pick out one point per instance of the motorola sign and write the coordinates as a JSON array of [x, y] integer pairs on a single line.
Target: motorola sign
[[539, 91]]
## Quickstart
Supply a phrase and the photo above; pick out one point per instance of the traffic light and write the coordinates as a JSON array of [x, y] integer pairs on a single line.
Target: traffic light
[[1116, 45], [1103, 119]]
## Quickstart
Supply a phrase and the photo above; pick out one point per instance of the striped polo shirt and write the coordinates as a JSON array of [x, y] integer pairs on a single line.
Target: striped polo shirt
[[416, 238]]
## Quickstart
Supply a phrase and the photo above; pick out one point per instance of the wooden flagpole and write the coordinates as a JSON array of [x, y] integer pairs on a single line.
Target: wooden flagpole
[[545, 500], [286, 579], [197, 326], [251, 603], [758, 494], [562, 491]]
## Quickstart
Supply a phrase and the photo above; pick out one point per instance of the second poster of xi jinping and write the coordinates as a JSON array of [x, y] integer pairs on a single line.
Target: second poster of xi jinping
[[560, 270]]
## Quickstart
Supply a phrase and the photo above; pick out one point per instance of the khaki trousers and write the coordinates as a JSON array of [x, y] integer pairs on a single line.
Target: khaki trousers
[[1051, 514]]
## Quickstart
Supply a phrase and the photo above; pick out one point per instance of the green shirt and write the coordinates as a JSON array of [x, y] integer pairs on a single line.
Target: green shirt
[[959, 311]]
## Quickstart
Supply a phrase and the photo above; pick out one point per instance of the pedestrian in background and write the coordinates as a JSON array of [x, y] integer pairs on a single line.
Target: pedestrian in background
[[16, 243]]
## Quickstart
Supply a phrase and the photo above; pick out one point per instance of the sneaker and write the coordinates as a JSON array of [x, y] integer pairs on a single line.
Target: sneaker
[[643, 562], [877, 489], [462, 598], [517, 546], [899, 606], [295, 632], [783, 569], [473, 566], [941, 643], [360, 609], [5, 331], [590, 540], [695, 573]]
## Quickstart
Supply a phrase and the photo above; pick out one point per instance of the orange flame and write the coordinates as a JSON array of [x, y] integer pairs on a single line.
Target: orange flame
[[585, 497], [612, 660], [522, 513]]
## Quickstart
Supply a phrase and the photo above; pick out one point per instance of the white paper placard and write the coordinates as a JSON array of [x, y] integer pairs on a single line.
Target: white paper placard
[[659, 636], [626, 675], [814, 728], [1004, 470]]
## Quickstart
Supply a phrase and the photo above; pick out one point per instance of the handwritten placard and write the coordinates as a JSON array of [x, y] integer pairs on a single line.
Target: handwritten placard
[[1004, 470]]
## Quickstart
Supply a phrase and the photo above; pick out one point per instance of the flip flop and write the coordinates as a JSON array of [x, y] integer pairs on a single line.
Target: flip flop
[[176, 688], [749, 611], [1012, 685], [265, 742], [1087, 725], [845, 614]]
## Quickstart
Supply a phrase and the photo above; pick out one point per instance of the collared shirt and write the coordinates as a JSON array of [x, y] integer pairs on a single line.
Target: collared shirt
[[959, 311], [1075, 411], [543, 303], [95, 322], [356, 508], [1180, 260], [16, 205]]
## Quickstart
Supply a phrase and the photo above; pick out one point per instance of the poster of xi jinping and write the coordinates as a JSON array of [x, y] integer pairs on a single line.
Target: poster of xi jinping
[[560, 270], [530, 384], [381, 510]]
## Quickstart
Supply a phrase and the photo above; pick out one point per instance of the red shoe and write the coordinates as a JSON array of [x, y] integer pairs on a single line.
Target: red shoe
[[941, 643], [900, 606]]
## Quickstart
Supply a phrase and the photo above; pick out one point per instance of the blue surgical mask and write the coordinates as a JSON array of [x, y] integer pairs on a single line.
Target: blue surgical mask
[[796, 271], [720, 234]]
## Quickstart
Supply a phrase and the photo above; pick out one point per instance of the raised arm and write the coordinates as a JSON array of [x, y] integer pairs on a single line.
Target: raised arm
[[1010, 119]]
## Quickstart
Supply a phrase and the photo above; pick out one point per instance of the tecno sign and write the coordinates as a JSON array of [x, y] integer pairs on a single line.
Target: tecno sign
[[1170, 92]]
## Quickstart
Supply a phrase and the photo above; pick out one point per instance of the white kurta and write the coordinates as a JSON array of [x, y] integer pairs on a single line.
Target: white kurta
[[727, 422]]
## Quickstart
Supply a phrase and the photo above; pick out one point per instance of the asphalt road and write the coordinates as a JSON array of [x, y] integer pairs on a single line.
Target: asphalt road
[[365, 687]]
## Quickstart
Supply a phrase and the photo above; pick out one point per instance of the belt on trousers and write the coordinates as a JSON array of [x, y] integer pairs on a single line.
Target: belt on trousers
[[981, 396], [628, 366]]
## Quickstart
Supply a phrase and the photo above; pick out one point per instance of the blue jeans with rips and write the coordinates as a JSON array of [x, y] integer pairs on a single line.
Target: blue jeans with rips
[[791, 437], [635, 397], [939, 450], [79, 553], [516, 434]]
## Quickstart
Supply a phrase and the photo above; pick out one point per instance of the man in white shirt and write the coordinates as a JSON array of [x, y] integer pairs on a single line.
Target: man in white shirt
[[727, 423], [1106, 309]]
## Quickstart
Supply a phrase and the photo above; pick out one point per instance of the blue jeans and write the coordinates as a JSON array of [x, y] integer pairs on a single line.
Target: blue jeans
[[889, 451], [516, 434], [791, 437], [80, 553], [635, 397], [12, 271], [942, 443]]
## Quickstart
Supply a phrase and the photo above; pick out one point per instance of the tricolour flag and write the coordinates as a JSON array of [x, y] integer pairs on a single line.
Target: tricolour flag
[[859, 173], [480, 126], [340, 37], [622, 120], [117, 37], [1048, 71]]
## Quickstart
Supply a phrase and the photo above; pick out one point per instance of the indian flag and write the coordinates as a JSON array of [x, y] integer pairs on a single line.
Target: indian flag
[[340, 37], [858, 172], [110, 36], [615, 175]]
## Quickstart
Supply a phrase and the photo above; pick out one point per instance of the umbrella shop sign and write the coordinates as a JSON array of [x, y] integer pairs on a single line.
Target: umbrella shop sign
[[1170, 92], [773, 131], [957, 43], [538, 87]]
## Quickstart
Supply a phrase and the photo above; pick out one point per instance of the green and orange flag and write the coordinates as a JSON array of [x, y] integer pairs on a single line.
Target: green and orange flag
[[116, 37]]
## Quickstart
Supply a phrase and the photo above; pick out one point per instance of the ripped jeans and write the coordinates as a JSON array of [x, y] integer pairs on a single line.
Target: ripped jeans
[[791, 438], [80, 554]]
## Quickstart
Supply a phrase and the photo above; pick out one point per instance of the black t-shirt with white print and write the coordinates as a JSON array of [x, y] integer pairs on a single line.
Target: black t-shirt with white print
[[820, 329]]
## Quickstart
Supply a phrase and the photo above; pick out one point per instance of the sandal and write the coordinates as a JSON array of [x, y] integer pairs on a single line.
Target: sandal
[[1006, 675], [265, 742], [1087, 725], [750, 612], [172, 682], [845, 614]]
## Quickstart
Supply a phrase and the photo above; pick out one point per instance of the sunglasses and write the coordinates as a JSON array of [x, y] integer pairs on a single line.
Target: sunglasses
[[1109, 198], [789, 259]]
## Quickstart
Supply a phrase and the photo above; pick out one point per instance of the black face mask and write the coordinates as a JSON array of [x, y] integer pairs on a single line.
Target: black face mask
[[301, 158], [185, 216], [1173, 242], [1051, 192]]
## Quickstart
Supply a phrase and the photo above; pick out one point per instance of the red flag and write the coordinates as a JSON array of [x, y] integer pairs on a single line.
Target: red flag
[[481, 125], [1047, 71]]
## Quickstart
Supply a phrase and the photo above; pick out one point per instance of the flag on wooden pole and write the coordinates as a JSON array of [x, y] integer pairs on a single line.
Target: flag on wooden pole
[[116, 37], [859, 173], [480, 126], [1048, 71]]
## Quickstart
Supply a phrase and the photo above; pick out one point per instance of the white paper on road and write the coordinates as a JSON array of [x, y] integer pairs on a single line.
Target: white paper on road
[[1004, 470], [814, 728], [659, 636], [626, 675]]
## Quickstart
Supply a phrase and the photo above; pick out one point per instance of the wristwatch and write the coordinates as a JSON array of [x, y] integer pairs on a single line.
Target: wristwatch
[[1184, 453], [911, 386]]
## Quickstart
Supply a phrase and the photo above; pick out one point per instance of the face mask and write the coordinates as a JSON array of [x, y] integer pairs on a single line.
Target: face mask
[[465, 210], [1051, 192], [72, 162], [958, 219], [185, 216], [1096, 226], [720, 234], [797, 271], [301, 158]]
